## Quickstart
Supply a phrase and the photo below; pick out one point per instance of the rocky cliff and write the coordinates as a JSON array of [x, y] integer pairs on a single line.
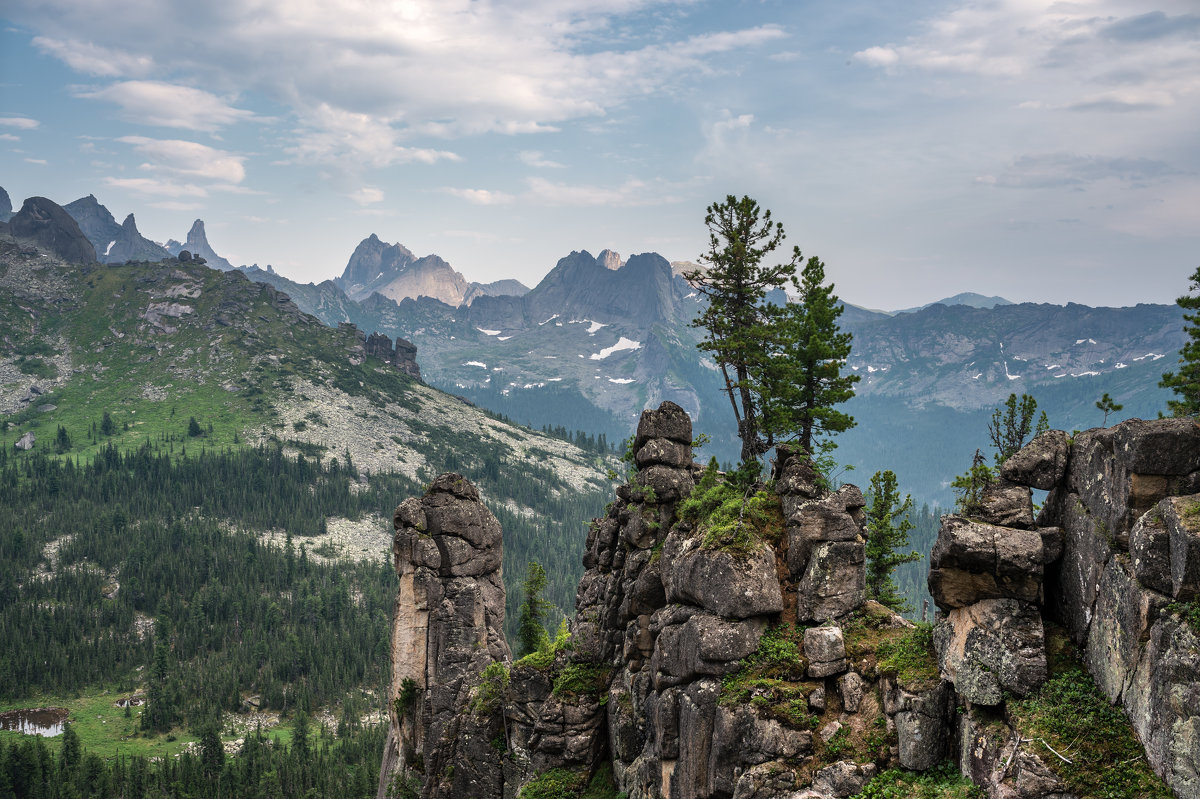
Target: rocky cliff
[[706, 658], [723, 648]]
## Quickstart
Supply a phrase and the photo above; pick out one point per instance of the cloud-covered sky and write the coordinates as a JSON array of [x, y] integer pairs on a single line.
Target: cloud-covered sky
[[1044, 151]]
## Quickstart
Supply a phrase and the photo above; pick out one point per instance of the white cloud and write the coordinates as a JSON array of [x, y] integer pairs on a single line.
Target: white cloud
[[9, 137], [85, 56], [366, 78], [333, 134], [20, 123], [188, 159], [537, 160], [367, 195], [153, 102], [1143, 61], [38, 161], [151, 187], [877, 56], [632, 192], [480, 196]]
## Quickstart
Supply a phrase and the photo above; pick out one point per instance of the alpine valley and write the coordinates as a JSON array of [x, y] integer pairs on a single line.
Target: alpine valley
[[200, 561]]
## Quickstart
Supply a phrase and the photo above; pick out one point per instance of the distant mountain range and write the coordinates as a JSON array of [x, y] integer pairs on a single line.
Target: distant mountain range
[[600, 338]]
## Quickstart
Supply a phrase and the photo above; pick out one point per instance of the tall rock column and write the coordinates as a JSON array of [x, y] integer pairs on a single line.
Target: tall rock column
[[448, 627]]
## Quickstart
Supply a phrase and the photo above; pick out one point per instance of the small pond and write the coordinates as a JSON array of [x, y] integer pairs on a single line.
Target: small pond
[[45, 721]]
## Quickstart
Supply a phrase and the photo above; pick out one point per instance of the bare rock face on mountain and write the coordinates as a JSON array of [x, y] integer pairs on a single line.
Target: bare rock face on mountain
[[115, 244], [197, 244], [51, 227], [6, 210], [447, 630], [392, 271], [403, 356]]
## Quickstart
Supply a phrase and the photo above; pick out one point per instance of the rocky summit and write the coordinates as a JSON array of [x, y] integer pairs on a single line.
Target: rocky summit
[[737, 657]]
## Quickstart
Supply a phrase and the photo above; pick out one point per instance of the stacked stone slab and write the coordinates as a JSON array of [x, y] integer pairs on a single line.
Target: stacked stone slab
[[403, 356], [1116, 542], [670, 618], [447, 628]]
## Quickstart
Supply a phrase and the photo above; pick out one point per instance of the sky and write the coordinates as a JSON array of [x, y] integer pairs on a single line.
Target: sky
[[1042, 151]]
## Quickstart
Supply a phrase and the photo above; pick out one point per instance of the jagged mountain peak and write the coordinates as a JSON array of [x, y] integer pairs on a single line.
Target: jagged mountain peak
[[197, 244], [5, 205], [610, 260]]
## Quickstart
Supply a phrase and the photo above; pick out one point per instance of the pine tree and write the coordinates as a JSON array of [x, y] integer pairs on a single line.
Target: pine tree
[[1010, 427], [736, 283], [887, 532], [1186, 381], [1107, 405]]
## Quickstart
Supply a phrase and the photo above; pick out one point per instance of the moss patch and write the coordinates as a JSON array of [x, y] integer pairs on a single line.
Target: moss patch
[[1069, 714], [940, 782], [910, 658], [731, 519]]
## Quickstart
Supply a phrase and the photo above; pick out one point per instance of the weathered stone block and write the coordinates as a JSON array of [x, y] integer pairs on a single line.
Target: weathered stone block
[[1121, 622], [973, 561], [993, 646], [834, 582], [705, 645], [1042, 463], [1150, 550], [666, 452], [1182, 518], [825, 648], [735, 587], [669, 483], [1158, 446], [669, 422], [1006, 504]]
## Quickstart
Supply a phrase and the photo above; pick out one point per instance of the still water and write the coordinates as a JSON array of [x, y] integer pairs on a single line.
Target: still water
[[45, 721]]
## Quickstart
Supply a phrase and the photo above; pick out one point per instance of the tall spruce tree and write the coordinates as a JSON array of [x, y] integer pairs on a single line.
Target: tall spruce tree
[[887, 533], [803, 372], [1186, 381], [531, 630], [781, 363]]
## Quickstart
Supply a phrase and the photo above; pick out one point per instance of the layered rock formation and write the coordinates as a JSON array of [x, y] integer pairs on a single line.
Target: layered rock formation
[[403, 355], [197, 244], [50, 227], [115, 244], [737, 659]]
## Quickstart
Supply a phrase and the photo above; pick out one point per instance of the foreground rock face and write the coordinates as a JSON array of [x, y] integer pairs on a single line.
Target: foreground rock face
[[447, 628], [1116, 544]]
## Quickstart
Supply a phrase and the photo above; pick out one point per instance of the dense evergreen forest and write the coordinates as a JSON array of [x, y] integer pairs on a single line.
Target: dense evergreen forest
[[312, 766], [155, 552]]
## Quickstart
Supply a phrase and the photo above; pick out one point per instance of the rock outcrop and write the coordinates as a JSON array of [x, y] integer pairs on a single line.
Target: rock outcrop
[[197, 244], [738, 659], [447, 629], [403, 355], [701, 663], [52, 228], [1113, 547]]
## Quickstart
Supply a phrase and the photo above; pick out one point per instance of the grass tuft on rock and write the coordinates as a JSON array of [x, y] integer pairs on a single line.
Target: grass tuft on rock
[[730, 518]]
